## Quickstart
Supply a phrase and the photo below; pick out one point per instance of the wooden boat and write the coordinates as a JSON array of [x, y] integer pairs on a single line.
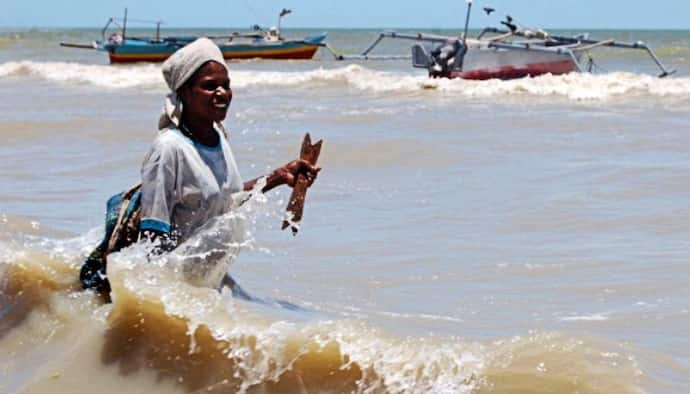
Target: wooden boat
[[137, 49], [511, 52], [260, 43]]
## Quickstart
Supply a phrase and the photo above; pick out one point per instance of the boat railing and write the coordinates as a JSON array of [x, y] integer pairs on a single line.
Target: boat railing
[[232, 36], [584, 44], [500, 37], [494, 30], [121, 24]]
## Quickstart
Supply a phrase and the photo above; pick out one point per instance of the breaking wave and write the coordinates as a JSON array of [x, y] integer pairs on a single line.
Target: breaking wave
[[574, 86], [164, 334], [161, 336], [86, 74]]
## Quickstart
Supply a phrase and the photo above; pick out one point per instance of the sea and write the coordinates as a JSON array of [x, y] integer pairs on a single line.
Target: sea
[[522, 236]]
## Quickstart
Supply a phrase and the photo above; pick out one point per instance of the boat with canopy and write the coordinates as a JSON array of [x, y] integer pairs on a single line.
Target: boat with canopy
[[259, 43]]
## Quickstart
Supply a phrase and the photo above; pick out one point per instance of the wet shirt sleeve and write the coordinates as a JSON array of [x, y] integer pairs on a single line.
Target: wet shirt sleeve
[[158, 176]]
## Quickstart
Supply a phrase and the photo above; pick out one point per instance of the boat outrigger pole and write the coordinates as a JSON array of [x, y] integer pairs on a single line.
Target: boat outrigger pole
[[387, 34], [615, 44]]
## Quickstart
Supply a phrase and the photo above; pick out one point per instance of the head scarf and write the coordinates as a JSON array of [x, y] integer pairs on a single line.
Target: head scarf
[[178, 68]]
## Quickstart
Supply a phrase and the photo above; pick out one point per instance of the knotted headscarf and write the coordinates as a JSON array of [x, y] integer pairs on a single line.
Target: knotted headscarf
[[178, 68]]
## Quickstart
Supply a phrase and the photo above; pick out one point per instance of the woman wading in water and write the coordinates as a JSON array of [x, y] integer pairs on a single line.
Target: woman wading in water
[[189, 174]]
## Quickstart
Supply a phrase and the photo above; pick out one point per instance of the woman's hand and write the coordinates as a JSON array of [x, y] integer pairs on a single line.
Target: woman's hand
[[287, 175], [289, 172]]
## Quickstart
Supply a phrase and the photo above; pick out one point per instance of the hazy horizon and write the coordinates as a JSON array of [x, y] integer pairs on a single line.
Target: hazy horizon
[[446, 14]]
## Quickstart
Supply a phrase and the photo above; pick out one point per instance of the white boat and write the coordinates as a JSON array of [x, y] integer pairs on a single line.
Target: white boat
[[510, 52]]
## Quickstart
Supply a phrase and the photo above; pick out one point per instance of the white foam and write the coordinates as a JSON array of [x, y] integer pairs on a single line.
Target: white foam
[[594, 317], [422, 316], [88, 74], [574, 86], [206, 256]]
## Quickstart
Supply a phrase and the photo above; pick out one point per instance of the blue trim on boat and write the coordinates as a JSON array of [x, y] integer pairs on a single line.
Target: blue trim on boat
[[168, 45], [316, 38]]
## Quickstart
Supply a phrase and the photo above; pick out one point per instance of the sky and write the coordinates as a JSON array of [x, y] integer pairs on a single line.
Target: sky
[[431, 14]]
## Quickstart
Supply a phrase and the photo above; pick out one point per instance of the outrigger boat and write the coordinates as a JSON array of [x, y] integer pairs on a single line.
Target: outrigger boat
[[260, 43], [511, 52]]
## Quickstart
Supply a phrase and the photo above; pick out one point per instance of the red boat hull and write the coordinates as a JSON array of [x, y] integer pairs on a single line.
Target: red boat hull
[[492, 63], [512, 72]]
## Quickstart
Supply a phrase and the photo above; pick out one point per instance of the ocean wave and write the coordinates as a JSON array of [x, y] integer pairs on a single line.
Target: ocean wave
[[145, 75], [173, 337], [574, 86], [164, 334]]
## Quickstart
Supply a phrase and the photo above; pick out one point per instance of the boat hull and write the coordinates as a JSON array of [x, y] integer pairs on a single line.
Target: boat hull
[[304, 52], [483, 64], [132, 51]]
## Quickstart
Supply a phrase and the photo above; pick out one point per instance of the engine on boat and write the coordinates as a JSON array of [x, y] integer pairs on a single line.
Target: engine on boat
[[444, 58]]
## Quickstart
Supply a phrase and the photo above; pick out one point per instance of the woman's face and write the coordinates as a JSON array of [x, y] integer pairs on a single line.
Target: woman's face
[[207, 94]]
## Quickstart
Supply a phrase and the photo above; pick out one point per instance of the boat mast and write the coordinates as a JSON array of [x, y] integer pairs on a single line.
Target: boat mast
[[124, 26], [467, 21], [284, 12]]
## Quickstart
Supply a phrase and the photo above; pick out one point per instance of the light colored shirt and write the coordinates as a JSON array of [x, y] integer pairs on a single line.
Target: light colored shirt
[[186, 183]]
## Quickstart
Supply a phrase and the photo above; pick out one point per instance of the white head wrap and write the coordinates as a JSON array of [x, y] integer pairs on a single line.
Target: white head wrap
[[178, 68]]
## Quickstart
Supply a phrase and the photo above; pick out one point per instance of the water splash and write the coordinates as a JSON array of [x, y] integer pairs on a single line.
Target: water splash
[[168, 331]]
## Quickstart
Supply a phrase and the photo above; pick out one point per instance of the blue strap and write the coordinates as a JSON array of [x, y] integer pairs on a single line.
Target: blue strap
[[154, 224]]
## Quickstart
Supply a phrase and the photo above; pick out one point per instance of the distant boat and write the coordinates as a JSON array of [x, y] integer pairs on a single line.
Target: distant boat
[[260, 43], [512, 52]]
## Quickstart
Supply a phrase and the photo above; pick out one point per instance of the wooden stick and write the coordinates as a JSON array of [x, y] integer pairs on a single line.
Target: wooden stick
[[309, 153]]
